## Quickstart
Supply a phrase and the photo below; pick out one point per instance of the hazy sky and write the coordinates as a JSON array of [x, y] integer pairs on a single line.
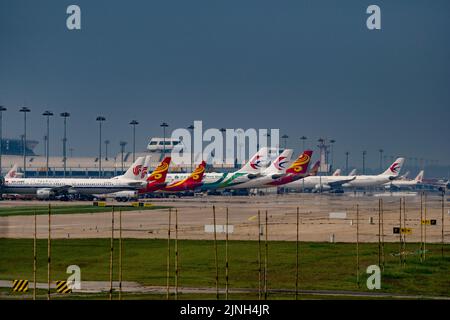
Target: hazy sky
[[307, 67]]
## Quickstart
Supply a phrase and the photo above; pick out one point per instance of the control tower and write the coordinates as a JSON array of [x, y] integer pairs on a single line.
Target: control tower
[[324, 150]]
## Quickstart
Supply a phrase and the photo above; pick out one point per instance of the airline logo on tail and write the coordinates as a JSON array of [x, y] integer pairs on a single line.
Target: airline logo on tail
[[280, 163], [137, 170], [301, 164], [190, 182], [395, 168], [198, 172], [160, 171], [255, 163]]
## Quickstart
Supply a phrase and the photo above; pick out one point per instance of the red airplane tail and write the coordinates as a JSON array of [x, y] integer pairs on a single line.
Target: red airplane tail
[[300, 166], [314, 169], [191, 182], [197, 176], [159, 174]]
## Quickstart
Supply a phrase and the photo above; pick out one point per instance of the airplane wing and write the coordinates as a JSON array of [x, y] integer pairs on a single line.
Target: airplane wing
[[338, 184], [137, 184], [61, 189], [254, 175]]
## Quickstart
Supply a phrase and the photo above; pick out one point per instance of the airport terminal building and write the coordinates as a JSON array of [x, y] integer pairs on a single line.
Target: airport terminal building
[[112, 165]]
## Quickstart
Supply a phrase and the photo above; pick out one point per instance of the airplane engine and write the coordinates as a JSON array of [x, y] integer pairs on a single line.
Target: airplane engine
[[323, 187], [72, 191], [44, 193]]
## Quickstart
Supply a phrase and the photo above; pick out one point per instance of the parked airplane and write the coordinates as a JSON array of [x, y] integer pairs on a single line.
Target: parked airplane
[[191, 183], [276, 170], [406, 183], [364, 181], [45, 188], [326, 183], [211, 181], [297, 170], [251, 170]]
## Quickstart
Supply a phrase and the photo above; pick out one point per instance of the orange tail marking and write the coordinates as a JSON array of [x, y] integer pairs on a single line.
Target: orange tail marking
[[301, 164], [197, 175], [161, 171]]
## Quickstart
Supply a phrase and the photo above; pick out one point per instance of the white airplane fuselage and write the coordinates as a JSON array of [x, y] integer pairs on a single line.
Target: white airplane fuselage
[[402, 183], [71, 185], [260, 182], [365, 181], [315, 182]]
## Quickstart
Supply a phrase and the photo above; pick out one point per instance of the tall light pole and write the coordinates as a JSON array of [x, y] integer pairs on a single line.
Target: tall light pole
[[2, 108], [332, 152], [65, 115], [267, 135], [191, 128], [285, 137], [322, 155], [25, 110], [364, 161], [381, 158], [47, 114], [303, 138], [164, 126], [346, 161], [100, 120], [223, 130], [122, 150], [106, 149], [134, 123]]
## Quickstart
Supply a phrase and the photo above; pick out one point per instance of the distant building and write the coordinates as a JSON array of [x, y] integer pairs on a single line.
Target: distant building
[[14, 147], [161, 144], [36, 165]]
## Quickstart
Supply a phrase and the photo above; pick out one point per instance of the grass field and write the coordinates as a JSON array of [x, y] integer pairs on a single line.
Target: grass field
[[68, 209], [323, 266]]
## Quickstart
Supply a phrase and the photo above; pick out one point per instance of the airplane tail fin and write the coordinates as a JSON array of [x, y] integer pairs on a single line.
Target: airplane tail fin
[[352, 173], [337, 173], [255, 164], [280, 163], [197, 175], [300, 166], [134, 172], [160, 172], [315, 168], [419, 177], [405, 176], [394, 168], [145, 167], [12, 172]]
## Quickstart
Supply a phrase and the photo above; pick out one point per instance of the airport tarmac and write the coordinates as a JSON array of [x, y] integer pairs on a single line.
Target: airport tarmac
[[196, 212]]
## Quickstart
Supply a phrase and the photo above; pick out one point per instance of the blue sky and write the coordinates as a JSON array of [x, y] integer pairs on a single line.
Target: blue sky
[[306, 67]]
